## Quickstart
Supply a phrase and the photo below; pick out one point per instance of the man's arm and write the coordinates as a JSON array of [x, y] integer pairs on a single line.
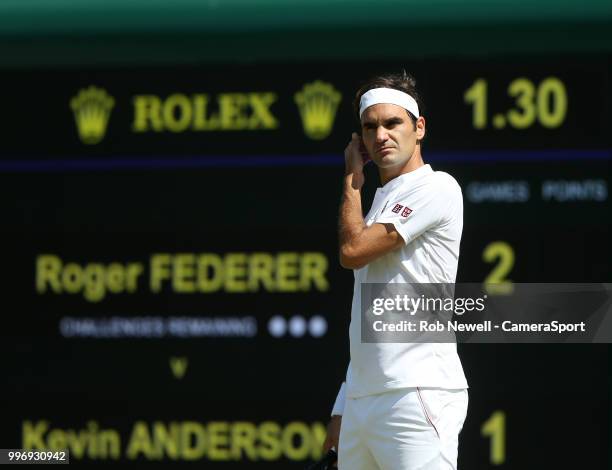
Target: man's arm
[[333, 427], [359, 244]]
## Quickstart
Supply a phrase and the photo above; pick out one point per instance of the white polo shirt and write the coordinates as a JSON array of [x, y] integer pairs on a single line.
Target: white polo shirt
[[426, 208]]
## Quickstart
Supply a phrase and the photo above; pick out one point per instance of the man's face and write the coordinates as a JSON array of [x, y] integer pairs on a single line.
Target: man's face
[[390, 135]]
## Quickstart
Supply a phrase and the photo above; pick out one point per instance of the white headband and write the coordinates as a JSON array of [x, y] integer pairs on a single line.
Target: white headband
[[388, 95]]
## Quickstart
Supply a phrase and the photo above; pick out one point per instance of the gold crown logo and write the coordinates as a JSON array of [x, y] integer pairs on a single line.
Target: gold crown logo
[[92, 108], [318, 102]]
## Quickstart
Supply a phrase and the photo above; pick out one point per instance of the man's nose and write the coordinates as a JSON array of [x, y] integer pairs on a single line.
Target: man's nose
[[381, 134]]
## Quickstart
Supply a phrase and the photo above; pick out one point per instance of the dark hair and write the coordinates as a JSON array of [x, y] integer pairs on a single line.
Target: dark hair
[[398, 81]]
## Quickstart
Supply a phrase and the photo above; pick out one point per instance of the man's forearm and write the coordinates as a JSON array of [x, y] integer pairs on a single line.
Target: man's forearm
[[351, 216]]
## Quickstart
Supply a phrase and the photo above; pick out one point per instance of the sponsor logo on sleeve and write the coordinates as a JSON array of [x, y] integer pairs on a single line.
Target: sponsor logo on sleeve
[[406, 212]]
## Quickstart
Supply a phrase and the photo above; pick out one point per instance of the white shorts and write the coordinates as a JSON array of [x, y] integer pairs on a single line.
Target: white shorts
[[405, 429]]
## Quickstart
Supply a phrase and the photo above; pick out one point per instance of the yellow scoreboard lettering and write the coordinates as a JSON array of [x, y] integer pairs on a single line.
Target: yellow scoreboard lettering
[[260, 268], [177, 113], [296, 449], [193, 439], [313, 267], [33, 435], [200, 112], [209, 272], [90, 442], [243, 441], [185, 267], [545, 103], [269, 436], [180, 113], [141, 443], [236, 272], [147, 114], [495, 429], [286, 272], [166, 439], [239, 272], [232, 108], [183, 440], [218, 440], [186, 273], [93, 280], [262, 117]]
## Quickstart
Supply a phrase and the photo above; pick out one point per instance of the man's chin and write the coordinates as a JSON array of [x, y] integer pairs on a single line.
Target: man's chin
[[387, 161]]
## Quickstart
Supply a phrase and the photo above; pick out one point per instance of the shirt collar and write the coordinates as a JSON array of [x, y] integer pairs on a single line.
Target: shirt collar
[[406, 178]]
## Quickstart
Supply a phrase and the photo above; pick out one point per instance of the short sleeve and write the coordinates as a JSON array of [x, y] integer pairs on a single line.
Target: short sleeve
[[413, 213]]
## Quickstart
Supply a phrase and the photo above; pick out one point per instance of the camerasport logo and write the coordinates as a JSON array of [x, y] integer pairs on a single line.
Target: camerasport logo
[[405, 210]]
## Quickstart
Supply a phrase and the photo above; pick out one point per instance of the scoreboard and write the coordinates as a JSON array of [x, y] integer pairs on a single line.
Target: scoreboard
[[172, 290]]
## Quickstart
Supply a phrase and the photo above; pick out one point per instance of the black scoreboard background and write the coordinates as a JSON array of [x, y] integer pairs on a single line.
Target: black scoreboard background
[[170, 277]]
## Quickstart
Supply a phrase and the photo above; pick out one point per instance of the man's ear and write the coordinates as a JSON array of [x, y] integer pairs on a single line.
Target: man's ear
[[420, 128]]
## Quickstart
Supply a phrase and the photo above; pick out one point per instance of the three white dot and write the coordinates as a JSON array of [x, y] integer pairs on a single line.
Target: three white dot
[[297, 326]]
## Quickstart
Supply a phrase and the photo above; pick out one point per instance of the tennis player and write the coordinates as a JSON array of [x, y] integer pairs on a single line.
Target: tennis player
[[403, 404]]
